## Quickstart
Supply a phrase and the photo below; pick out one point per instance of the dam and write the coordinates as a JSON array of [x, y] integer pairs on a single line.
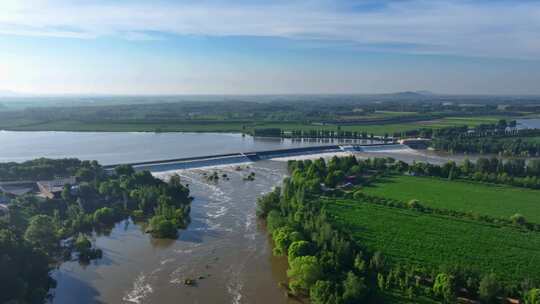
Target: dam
[[246, 157]]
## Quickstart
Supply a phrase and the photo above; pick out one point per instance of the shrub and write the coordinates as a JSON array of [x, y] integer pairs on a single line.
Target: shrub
[[518, 219], [104, 215], [444, 287], [489, 288], [160, 227], [414, 204], [533, 296]]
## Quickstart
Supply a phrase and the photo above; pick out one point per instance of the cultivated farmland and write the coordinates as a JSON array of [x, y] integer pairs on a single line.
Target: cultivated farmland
[[408, 236], [491, 200]]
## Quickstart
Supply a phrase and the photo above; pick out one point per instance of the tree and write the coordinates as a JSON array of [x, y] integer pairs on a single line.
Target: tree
[[303, 273], [354, 289], [444, 287], [377, 261], [518, 219], [381, 281], [533, 167], [66, 193], [359, 263], [298, 248], [82, 243], [533, 296], [322, 292], [282, 240], [84, 247], [268, 202], [85, 175], [489, 288], [24, 274], [126, 170], [104, 216], [41, 233], [163, 228], [414, 204]]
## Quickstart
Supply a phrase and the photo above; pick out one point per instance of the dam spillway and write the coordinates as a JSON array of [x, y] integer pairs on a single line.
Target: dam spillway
[[246, 157]]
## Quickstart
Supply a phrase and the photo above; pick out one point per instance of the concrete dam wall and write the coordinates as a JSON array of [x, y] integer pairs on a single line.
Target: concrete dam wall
[[246, 157]]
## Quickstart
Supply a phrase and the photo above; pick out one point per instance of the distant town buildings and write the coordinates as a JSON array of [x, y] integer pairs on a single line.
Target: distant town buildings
[[47, 189], [53, 188]]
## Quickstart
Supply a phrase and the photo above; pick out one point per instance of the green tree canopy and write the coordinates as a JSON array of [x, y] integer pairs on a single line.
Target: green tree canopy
[[304, 272], [298, 248], [354, 289], [489, 288], [323, 292], [41, 233], [443, 287], [533, 296]]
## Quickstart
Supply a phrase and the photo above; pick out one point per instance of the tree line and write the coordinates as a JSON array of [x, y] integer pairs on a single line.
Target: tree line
[[501, 138], [40, 169], [314, 133]]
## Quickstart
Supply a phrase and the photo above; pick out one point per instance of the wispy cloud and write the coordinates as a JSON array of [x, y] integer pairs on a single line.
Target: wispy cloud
[[509, 29]]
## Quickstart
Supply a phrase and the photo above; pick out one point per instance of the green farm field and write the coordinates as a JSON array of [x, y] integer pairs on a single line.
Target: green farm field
[[493, 200], [408, 236], [128, 127], [390, 128], [229, 125]]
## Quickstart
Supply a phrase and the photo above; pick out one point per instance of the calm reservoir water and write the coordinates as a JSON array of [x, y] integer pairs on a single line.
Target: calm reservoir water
[[531, 123], [124, 147]]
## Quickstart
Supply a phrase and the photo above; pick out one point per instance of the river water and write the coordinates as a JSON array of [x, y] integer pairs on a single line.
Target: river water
[[224, 245], [530, 123]]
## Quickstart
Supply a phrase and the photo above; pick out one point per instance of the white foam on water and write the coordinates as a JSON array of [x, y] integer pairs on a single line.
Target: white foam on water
[[141, 289], [163, 262], [221, 210], [231, 166], [401, 149], [313, 156], [235, 289], [218, 203], [184, 251]]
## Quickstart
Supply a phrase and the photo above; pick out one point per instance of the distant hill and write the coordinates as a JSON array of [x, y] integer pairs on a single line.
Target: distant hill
[[425, 93], [7, 93], [409, 95]]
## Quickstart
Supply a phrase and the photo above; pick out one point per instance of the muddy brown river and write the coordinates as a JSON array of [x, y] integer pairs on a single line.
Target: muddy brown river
[[225, 247]]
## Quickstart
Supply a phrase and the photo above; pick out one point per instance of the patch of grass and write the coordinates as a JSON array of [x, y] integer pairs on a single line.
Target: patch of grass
[[493, 200], [407, 236], [131, 127]]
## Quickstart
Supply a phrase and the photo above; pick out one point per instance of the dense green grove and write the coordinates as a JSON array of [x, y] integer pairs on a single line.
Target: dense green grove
[[489, 139], [328, 263], [38, 232], [39, 169], [313, 133], [515, 172]]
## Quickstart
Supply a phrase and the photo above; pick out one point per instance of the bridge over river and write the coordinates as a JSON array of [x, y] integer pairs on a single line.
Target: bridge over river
[[244, 157]]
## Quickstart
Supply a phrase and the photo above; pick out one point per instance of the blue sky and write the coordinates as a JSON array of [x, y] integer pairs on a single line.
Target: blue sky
[[269, 47]]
